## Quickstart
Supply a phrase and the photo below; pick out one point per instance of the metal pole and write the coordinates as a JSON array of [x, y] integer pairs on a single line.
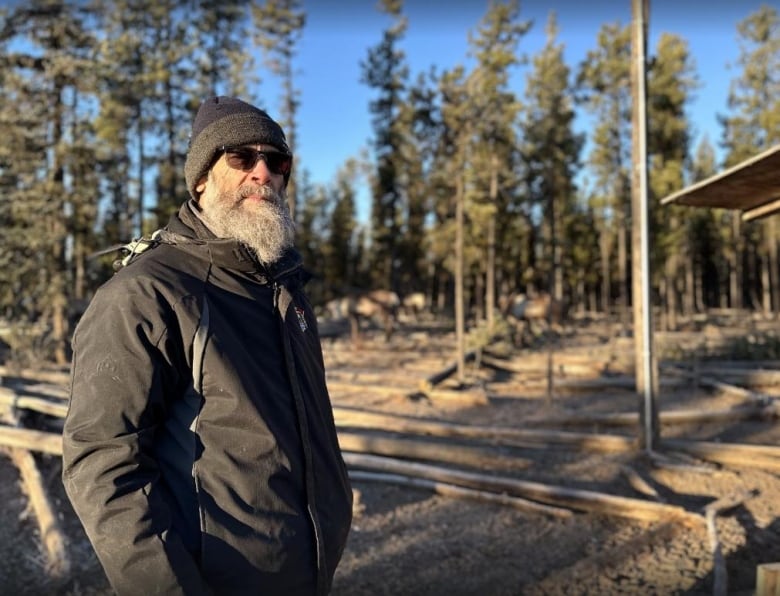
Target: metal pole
[[640, 10]]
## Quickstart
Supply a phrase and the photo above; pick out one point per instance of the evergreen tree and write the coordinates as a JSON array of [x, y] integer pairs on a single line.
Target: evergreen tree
[[708, 229], [340, 250], [550, 151], [385, 71], [417, 123], [604, 83], [43, 85], [310, 236], [752, 126], [494, 45], [671, 81], [279, 24]]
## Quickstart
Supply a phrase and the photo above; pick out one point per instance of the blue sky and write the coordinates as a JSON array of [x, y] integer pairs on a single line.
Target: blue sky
[[334, 119]]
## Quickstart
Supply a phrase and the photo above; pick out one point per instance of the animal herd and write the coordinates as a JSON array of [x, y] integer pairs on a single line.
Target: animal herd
[[527, 315]]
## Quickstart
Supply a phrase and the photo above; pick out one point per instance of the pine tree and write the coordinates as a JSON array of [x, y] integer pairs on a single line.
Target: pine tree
[[753, 126], [385, 71], [43, 85], [550, 151], [340, 249], [279, 24], [494, 45], [671, 82], [708, 229], [417, 123], [604, 83]]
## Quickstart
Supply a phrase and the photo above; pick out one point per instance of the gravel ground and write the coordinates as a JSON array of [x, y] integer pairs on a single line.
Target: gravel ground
[[408, 540]]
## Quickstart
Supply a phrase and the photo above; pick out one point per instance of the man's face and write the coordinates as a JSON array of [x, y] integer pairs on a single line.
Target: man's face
[[248, 202]]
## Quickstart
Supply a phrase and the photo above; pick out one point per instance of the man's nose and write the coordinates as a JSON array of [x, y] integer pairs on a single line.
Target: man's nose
[[260, 172]]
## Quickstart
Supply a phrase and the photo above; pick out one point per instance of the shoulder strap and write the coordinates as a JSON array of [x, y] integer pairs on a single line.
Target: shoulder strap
[[136, 247]]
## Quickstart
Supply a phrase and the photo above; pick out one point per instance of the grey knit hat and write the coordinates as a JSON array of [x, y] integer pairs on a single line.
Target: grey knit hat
[[227, 121]]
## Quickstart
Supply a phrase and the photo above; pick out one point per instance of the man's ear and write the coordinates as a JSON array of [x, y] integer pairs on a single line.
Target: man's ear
[[201, 185]]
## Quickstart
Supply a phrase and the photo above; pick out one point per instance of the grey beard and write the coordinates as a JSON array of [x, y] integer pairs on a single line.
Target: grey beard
[[267, 229]]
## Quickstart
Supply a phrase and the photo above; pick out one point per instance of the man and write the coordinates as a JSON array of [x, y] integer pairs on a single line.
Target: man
[[200, 451]]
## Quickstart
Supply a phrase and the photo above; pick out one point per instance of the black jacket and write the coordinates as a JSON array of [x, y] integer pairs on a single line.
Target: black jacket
[[200, 451]]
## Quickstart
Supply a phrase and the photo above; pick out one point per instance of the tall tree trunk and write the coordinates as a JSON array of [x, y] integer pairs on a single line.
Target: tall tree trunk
[[774, 281], [735, 268], [459, 310], [606, 279], [490, 281]]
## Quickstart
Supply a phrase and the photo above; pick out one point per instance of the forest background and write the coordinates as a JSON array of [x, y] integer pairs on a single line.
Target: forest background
[[98, 98]]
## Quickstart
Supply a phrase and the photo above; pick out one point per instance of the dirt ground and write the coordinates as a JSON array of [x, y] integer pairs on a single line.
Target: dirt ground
[[414, 540]]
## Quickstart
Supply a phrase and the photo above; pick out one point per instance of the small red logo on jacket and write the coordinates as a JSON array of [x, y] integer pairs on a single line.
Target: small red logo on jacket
[[301, 318]]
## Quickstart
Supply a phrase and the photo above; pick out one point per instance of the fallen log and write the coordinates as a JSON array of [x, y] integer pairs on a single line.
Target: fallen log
[[731, 389], [565, 368], [432, 380], [745, 377], [406, 448], [616, 382], [9, 397], [751, 410], [459, 492], [55, 377], [713, 383], [52, 538], [466, 397], [346, 418], [757, 456], [34, 440], [572, 498]]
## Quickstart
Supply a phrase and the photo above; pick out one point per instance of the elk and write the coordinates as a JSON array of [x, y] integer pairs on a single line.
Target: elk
[[528, 312], [380, 306], [413, 305]]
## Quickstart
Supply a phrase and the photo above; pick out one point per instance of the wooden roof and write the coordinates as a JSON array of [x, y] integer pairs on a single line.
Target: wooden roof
[[752, 187]]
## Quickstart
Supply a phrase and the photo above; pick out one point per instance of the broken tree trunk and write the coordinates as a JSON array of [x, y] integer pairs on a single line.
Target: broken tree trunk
[[459, 492], [52, 538], [432, 380], [583, 500]]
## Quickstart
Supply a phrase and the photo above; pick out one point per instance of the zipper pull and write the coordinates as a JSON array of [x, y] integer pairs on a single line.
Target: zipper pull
[[277, 293]]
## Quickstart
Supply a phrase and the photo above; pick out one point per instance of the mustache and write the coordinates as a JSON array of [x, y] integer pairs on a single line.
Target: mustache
[[265, 191]]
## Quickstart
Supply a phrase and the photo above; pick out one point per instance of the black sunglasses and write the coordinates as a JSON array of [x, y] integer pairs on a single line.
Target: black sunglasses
[[246, 158]]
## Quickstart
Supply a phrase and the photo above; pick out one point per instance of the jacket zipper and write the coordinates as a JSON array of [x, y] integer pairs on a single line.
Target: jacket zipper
[[303, 429]]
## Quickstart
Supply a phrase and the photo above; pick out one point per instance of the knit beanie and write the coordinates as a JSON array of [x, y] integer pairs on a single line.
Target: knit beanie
[[227, 121]]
